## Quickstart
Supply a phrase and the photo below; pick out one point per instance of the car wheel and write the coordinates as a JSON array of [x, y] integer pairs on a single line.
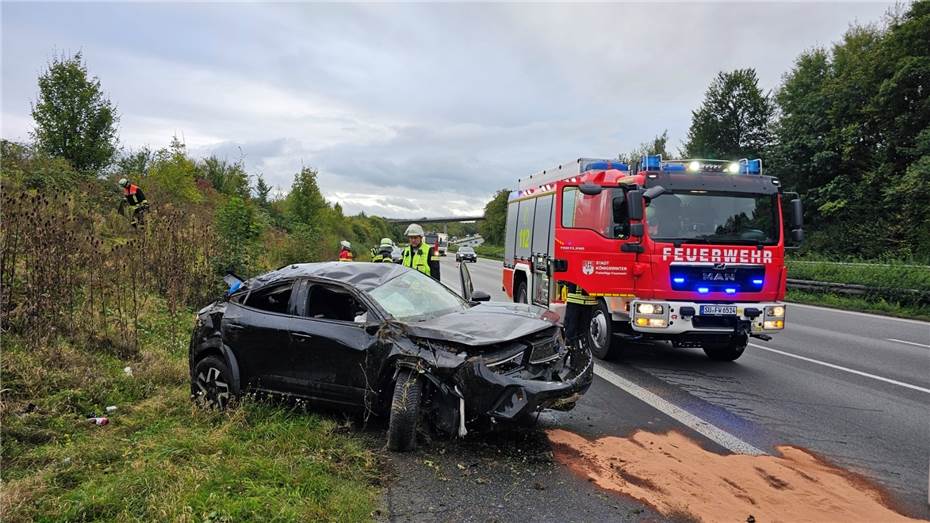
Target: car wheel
[[521, 293], [405, 411], [601, 333], [211, 383], [727, 351]]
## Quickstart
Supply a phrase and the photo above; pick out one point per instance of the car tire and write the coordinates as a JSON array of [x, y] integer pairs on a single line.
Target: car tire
[[727, 351], [405, 411], [521, 296], [211, 383], [600, 333]]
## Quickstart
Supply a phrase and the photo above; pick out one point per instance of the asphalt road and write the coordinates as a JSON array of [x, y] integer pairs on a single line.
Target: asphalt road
[[853, 388]]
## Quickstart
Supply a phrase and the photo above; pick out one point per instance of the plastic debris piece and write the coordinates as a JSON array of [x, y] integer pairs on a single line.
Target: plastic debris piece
[[111, 409], [99, 420], [128, 371]]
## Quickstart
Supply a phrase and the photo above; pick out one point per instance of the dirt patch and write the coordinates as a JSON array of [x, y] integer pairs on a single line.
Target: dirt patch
[[675, 475]]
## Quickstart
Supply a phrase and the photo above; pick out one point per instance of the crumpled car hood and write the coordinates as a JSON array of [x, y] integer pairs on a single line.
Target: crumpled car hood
[[486, 323]]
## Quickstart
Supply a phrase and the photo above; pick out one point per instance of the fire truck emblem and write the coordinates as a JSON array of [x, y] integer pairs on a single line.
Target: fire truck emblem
[[587, 268]]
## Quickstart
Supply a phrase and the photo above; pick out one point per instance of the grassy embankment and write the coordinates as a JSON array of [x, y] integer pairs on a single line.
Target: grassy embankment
[[888, 278], [160, 458]]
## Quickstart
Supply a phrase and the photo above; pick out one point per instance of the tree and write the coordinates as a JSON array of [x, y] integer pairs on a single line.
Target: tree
[[495, 218], [239, 229], [175, 174], [262, 190], [734, 120], [74, 120], [227, 178], [305, 202], [658, 145]]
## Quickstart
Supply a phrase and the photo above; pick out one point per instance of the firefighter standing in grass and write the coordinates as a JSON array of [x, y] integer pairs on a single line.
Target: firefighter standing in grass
[[136, 200], [418, 255], [345, 251], [578, 308]]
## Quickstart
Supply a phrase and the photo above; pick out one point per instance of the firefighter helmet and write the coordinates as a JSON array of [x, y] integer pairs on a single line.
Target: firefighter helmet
[[346, 244], [123, 182], [414, 230]]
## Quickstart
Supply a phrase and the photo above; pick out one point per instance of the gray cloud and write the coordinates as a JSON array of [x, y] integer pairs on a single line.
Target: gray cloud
[[407, 107]]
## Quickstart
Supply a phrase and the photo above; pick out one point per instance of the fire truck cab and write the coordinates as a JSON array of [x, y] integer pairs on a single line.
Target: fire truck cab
[[690, 251]]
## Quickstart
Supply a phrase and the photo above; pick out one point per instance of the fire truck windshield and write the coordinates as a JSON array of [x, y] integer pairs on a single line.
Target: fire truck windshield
[[712, 217]]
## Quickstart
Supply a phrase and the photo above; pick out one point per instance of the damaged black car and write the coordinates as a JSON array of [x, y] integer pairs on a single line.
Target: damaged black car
[[389, 341]]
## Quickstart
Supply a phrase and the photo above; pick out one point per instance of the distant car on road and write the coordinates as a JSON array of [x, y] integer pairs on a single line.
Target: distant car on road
[[385, 339], [466, 254]]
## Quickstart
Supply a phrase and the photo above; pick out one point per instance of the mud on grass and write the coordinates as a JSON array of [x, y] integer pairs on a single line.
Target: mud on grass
[[161, 458]]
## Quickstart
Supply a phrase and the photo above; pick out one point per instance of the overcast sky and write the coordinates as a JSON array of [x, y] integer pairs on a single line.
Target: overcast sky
[[407, 109]]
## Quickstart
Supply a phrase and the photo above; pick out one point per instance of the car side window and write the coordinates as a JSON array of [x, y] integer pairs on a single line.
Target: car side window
[[327, 302], [271, 299]]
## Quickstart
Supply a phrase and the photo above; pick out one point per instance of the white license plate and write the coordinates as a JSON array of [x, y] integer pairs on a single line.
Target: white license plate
[[718, 310]]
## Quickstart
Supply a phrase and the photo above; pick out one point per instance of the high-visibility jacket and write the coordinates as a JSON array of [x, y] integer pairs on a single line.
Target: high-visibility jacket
[[577, 296], [420, 258], [383, 256], [134, 195], [345, 255]]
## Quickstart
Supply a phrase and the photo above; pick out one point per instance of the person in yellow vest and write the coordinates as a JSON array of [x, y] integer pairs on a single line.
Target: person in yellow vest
[[578, 308], [384, 252], [418, 255]]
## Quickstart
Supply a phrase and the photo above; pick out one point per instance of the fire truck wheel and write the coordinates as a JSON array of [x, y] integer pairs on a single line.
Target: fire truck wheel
[[728, 351], [520, 296], [601, 333]]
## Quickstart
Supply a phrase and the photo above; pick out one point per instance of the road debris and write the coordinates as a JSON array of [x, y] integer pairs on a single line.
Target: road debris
[[99, 420], [673, 474]]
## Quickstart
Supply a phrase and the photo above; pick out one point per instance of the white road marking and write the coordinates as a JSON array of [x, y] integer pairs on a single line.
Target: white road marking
[[712, 432], [845, 369], [876, 316], [909, 342]]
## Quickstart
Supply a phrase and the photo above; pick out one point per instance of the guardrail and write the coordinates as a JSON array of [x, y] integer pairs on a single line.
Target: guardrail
[[911, 295]]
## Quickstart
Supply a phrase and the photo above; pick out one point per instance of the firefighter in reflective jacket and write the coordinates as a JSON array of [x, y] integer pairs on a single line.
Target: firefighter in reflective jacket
[[384, 252], [578, 308], [136, 200], [418, 255]]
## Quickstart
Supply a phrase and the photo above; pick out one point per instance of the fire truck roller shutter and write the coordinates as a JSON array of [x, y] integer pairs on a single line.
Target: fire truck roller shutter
[[510, 233], [526, 213]]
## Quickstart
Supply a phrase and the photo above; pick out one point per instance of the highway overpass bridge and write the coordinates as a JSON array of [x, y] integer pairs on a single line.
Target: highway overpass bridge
[[443, 220]]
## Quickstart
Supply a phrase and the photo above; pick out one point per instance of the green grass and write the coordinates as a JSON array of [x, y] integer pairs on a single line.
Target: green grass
[[885, 276], [855, 303], [161, 458], [495, 252]]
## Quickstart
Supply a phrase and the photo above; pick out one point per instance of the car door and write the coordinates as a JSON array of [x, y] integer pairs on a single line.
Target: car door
[[255, 327], [334, 344]]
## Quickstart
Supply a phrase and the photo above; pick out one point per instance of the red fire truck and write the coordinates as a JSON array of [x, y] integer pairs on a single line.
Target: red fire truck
[[690, 251]]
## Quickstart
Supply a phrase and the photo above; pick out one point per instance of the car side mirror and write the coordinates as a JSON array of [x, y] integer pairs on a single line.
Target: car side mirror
[[590, 189], [634, 204], [480, 296]]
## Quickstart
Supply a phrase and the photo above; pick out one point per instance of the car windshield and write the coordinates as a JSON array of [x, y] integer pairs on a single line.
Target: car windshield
[[702, 217], [413, 296], [466, 249]]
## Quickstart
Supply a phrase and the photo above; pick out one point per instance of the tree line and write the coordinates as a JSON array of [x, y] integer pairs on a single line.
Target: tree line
[[848, 128]]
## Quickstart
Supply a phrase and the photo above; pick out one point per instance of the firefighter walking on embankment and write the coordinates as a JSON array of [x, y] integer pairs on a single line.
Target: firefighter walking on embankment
[[135, 198]]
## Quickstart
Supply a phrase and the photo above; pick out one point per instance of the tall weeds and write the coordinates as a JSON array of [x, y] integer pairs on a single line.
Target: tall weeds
[[66, 268]]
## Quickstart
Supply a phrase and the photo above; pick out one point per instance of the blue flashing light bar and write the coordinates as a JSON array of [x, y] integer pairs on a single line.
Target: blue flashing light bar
[[750, 166], [730, 290], [757, 282], [604, 165], [703, 290], [678, 280], [651, 163]]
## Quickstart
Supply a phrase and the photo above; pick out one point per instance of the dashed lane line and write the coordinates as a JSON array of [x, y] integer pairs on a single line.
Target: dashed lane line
[[914, 343]]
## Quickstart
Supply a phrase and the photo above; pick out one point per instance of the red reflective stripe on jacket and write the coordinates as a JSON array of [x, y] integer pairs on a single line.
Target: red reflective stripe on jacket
[[131, 190]]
